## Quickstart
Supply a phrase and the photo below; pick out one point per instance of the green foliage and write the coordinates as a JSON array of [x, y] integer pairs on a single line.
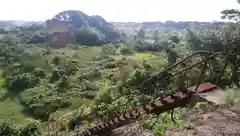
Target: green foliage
[[38, 72], [175, 39], [141, 33], [125, 51], [156, 36], [26, 68], [31, 129], [172, 56], [89, 30], [63, 82], [8, 129], [41, 108], [108, 49], [110, 65], [88, 36], [90, 83], [21, 82], [56, 60], [56, 75], [162, 123], [231, 14], [137, 77], [95, 73], [193, 40]]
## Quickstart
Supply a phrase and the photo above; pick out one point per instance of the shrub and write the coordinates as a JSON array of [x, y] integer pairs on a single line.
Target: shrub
[[125, 51], [110, 65], [89, 95], [90, 85], [71, 67], [108, 49], [41, 109], [93, 74], [8, 129], [63, 82], [38, 72], [31, 129], [56, 75], [88, 36], [146, 65], [175, 39], [56, 60], [137, 77], [26, 68], [21, 82]]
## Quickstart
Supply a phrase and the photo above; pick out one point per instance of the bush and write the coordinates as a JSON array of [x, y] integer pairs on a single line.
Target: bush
[[56, 60], [38, 72], [125, 51], [146, 65], [31, 129], [152, 48], [108, 50], [21, 82], [63, 82], [89, 95], [71, 67], [93, 74], [88, 36], [174, 39], [137, 77], [110, 65], [26, 68], [41, 108], [56, 75], [90, 85], [8, 129]]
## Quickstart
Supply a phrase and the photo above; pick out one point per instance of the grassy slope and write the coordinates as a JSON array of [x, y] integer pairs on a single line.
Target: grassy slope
[[87, 58], [11, 109]]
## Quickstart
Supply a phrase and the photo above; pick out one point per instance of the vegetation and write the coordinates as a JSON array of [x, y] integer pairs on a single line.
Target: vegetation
[[96, 77]]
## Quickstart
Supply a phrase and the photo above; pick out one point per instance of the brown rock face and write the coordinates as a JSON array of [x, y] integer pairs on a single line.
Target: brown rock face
[[59, 33]]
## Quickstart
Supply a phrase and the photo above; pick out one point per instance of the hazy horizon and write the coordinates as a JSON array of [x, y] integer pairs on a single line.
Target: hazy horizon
[[119, 11]]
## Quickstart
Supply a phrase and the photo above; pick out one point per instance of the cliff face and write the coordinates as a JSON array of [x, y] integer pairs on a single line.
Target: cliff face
[[77, 23]]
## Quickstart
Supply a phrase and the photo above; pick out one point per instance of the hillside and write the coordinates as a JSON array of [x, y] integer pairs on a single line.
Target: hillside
[[76, 71]]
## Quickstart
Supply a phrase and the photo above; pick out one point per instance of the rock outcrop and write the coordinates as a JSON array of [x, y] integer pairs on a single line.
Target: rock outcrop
[[77, 27]]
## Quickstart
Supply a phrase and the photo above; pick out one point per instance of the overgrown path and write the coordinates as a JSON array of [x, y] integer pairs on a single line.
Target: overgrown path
[[179, 99], [213, 122]]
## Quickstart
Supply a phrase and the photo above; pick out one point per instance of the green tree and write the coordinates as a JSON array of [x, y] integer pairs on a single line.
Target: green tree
[[172, 56], [156, 36], [232, 14], [21, 82], [141, 33], [88, 36], [193, 40], [175, 39]]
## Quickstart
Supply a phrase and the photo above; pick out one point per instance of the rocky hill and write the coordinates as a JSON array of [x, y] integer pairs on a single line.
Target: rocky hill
[[84, 29]]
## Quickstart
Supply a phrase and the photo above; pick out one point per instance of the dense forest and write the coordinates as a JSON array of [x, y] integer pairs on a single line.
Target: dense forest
[[77, 70]]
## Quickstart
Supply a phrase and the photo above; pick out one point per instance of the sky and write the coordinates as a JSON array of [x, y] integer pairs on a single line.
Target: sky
[[118, 10]]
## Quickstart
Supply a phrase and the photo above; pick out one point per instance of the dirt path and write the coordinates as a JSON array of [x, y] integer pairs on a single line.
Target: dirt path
[[219, 122]]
